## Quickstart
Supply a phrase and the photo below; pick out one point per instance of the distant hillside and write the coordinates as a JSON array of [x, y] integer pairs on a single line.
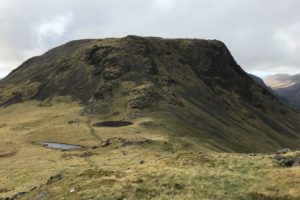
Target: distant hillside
[[194, 89], [286, 86], [262, 83]]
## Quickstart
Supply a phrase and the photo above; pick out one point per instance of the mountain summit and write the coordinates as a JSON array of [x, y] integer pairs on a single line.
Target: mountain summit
[[193, 88]]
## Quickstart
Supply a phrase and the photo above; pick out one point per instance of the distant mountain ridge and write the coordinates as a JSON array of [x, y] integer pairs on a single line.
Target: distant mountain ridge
[[193, 87], [287, 86], [282, 80], [260, 82]]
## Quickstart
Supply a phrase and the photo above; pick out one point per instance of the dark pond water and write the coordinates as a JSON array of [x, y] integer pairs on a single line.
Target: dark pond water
[[113, 124]]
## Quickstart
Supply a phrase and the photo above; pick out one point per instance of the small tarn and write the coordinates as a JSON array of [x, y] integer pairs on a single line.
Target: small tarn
[[112, 124], [60, 146]]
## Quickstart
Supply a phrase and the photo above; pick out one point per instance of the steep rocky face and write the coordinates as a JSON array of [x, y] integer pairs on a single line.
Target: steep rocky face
[[287, 87], [194, 86], [90, 70]]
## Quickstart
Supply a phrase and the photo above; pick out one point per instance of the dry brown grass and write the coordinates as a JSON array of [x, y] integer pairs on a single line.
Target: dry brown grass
[[160, 169]]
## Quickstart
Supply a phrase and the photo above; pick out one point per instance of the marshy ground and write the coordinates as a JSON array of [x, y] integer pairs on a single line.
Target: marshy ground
[[138, 161]]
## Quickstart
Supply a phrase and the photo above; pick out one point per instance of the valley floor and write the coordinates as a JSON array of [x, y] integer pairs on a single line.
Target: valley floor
[[138, 161]]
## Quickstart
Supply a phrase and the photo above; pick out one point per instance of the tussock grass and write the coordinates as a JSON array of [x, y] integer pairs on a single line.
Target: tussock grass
[[170, 166]]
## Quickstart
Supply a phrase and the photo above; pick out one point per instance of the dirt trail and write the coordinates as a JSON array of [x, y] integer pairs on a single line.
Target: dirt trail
[[93, 132]]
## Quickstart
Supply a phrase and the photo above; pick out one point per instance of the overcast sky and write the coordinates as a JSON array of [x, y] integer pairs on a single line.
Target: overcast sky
[[262, 35]]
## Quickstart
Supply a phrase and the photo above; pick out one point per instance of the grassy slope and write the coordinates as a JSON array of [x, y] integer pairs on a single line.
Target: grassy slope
[[115, 172]]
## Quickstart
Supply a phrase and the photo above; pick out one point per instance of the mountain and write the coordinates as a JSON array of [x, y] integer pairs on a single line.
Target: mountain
[[286, 86], [144, 118], [258, 80], [194, 87], [261, 82]]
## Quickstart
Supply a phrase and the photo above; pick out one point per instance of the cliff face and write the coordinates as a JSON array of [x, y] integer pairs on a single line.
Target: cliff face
[[194, 86]]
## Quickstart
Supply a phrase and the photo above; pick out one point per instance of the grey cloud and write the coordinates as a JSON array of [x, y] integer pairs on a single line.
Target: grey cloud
[[262, 35]]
